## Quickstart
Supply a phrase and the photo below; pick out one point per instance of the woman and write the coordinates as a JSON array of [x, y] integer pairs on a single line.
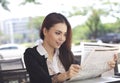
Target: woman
[[52, 60]]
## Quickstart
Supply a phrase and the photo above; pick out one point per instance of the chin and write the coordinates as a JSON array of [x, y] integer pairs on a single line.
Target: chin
[[57, 47]]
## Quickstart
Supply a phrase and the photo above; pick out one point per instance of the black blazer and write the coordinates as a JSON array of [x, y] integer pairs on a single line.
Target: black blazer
[[36, 66]]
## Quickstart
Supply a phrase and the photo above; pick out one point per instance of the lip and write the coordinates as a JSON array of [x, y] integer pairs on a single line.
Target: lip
[[59, 43]]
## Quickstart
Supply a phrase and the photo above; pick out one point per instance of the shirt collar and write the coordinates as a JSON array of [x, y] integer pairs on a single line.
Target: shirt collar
[[43, 52]]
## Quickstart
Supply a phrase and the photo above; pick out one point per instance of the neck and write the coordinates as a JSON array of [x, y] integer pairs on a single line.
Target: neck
[[49, 50]]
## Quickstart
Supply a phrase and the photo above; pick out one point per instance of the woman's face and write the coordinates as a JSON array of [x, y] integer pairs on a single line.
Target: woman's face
[[56, 35]]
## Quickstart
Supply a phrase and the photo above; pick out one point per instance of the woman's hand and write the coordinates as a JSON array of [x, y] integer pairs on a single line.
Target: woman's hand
[[73, 70], [112, 62]]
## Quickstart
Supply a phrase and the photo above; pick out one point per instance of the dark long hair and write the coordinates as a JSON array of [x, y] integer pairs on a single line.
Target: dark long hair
[[65, 54]]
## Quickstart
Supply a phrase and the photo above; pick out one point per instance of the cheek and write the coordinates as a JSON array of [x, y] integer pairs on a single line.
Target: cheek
[[64, 38], [51, 38]]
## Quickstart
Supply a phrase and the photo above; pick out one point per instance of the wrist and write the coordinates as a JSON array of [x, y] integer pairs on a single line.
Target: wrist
[[67, 76]]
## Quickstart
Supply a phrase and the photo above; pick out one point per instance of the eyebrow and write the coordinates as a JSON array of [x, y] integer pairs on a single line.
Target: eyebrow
[[61, 31]]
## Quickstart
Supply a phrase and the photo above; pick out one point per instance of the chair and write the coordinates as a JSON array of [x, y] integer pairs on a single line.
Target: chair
[[12, 70]]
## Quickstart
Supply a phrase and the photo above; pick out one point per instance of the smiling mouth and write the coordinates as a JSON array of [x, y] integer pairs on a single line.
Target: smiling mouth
[[59, 44]]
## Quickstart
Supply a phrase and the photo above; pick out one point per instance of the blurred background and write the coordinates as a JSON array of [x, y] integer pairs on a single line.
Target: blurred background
[[96, 20], [91, 20]]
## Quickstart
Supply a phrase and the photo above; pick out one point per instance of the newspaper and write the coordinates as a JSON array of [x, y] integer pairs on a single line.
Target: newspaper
[[95, 63]]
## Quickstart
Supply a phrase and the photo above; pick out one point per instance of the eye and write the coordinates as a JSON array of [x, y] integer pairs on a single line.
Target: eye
[[58, 33]]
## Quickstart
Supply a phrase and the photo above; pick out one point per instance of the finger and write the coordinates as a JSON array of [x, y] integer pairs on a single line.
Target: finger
[[115, 57], [76, 66], [111, 62], [75, 69], [112, 66]]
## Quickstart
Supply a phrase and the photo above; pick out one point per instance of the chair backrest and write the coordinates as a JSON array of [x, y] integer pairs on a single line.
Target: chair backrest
[[11, 64]]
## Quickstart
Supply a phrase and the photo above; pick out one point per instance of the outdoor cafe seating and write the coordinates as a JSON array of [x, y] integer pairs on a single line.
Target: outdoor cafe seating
[[13, 71]]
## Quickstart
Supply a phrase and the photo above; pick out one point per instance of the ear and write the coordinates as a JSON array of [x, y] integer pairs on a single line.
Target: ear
[[44, 31]]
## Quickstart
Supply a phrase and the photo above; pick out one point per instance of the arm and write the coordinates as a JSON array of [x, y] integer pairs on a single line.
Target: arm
[[35, 68], [61, 77]]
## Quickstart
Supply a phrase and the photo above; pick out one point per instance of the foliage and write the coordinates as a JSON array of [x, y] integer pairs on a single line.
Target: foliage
[[4, 4], [80, 33], [36, 22], [113, 8], [77, 11], [112, 27], [30, 1], [93, 27], [93, 23]]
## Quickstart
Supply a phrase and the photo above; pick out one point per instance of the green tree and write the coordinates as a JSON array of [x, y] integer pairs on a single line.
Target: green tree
[[94, 24], [114, 11], [113, 8], [30, 1], [4, 3], [80, 33]]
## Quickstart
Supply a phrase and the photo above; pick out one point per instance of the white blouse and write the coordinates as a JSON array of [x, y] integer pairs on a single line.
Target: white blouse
[[54, 66]]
